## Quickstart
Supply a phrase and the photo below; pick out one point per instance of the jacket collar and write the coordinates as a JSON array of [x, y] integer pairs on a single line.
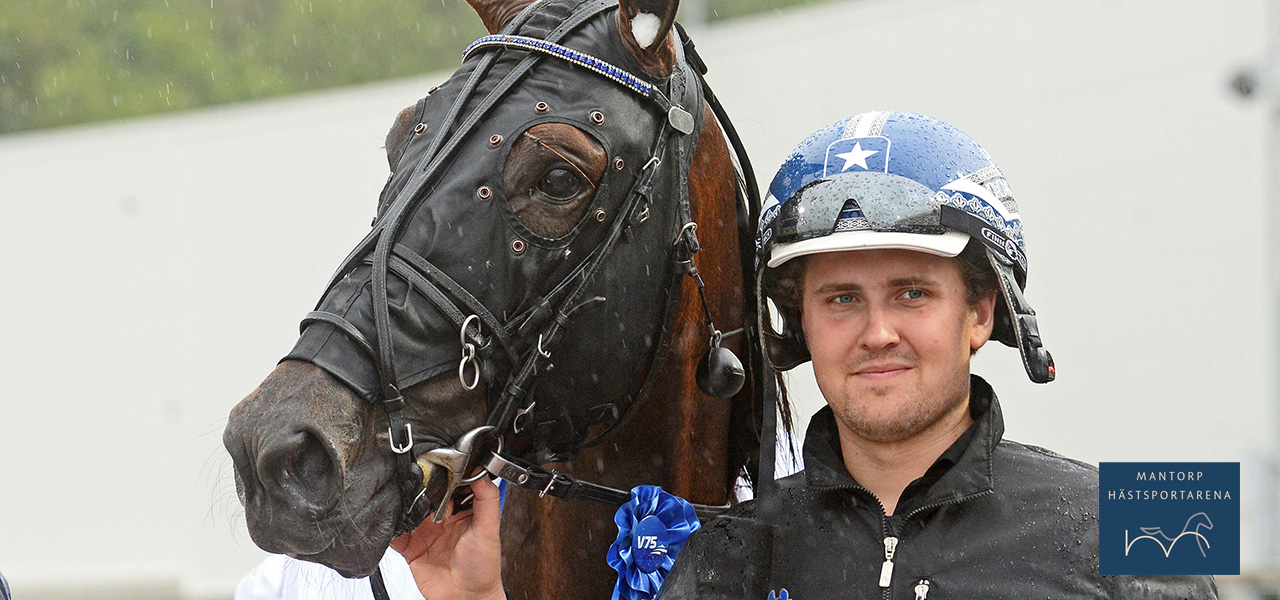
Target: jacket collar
[[963, 470]]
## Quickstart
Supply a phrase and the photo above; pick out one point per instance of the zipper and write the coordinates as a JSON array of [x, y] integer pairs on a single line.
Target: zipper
[[891, 541], [890, 549], [886, 569]]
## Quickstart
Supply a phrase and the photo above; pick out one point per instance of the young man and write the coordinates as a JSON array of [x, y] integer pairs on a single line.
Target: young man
[[893, 249]]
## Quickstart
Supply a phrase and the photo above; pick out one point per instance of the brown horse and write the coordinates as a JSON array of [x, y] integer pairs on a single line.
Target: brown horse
[[313, 468]]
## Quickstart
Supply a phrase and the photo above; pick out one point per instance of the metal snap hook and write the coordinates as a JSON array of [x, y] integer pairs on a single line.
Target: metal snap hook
[[419, 128], [690, 226], [517, 425], [484, 193], [600, 215], [468, 356], [597, 117], [517, 246], [541, 107], [495, 141], [618, 163], [544, 353], [555, 477]]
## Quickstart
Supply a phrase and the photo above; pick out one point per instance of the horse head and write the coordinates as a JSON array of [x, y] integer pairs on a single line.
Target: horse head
[[524, 282]]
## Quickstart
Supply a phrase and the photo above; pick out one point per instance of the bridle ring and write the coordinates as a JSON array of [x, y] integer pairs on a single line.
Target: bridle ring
[[468, 356]]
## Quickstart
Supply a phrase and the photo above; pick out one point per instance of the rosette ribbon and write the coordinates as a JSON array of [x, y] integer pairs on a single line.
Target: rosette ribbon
[[652, 528]]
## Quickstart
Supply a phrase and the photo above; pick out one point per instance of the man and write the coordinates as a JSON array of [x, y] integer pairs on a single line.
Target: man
[[892, 247]]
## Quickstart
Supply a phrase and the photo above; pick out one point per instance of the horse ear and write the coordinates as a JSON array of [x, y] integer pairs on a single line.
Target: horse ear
[[497, 13], [646, 33], [399, 134]]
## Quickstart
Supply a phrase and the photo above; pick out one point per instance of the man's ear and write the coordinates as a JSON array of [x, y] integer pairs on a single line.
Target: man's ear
[[984, 320], [646, 33]]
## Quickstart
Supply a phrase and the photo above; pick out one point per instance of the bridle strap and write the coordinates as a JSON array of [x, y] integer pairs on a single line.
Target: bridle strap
[[566, 487], [318, 316], [504, 411], [438, 279]]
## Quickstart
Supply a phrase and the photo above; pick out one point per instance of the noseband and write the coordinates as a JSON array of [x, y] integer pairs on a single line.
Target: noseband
[[520, 343]]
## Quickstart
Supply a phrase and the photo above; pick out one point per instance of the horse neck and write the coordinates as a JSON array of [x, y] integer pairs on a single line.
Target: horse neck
[[678, 439]]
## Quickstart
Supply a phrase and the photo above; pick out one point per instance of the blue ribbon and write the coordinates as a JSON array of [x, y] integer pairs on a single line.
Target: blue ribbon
[[652, 528]]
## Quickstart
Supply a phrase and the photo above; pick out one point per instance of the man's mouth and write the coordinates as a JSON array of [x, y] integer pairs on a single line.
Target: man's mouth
[[881, 372]]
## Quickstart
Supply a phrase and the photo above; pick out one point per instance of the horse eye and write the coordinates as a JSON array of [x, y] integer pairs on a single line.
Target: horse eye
[[560, 184]]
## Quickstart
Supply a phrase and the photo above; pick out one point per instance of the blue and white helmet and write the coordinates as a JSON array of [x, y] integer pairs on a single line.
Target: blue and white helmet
[[904, 181]]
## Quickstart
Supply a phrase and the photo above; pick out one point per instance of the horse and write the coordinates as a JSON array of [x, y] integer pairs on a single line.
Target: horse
[[564, 224]]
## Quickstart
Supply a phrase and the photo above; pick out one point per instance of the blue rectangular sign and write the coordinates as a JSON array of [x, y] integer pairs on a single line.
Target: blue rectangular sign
[[1169, 518]]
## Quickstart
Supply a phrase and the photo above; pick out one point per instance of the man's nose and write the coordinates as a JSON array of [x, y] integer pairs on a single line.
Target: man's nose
[[880, 330]]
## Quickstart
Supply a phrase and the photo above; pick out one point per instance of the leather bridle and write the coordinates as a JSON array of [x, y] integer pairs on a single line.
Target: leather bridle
[[520, 342]]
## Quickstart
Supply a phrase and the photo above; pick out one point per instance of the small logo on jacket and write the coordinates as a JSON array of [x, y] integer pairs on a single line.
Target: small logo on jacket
[[1169, 519], [784, 596]]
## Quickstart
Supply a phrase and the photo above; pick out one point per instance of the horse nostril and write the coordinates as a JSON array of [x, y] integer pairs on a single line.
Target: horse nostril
[[299, 470], [242, 462]]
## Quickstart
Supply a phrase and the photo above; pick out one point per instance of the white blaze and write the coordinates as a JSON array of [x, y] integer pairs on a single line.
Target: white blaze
[[644, 27]]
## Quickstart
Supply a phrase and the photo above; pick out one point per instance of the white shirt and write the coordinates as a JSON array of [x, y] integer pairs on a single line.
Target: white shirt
[[282, 578]]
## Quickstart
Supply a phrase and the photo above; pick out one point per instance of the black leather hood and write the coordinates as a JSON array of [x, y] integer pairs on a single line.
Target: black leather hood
[[604, 352]]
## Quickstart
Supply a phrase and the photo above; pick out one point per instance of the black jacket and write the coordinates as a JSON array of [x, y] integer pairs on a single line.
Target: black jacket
[[991, 519]]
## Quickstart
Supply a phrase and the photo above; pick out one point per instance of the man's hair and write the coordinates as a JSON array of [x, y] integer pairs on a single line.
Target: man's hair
[[785, 284]]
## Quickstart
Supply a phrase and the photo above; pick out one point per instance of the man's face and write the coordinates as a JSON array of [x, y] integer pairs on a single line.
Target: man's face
[[890, 333]]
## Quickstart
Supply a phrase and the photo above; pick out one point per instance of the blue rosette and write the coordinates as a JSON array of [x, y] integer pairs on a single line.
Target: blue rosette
[[652, 528]]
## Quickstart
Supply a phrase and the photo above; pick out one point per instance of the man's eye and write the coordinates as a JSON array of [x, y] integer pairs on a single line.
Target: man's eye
[[913, 294], [560, 184], [843, 299]]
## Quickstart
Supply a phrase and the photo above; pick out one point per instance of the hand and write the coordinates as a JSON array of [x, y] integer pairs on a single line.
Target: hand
[[461, 558]]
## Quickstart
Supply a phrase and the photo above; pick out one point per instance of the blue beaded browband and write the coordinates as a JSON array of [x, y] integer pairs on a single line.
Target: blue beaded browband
[[678, 117], [585, 61]]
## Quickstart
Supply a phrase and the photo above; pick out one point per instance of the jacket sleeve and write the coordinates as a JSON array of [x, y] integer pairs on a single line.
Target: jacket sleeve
[[729, 558], [1160, 587]]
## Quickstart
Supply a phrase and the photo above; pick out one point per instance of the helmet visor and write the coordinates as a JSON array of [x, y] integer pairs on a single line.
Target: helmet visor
[[862, 211]]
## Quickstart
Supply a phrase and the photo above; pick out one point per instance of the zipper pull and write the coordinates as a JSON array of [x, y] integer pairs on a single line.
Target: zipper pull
[[886, 570], [922, 589]]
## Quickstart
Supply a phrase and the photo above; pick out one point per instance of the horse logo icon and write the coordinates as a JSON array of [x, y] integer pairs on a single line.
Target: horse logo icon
[[1194, 525]]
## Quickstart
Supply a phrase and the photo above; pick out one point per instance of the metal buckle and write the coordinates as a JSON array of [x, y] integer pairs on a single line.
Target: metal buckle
[[408, 440]]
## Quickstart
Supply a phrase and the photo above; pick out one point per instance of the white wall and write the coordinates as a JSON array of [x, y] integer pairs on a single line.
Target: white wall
[[1140, 179], [152, 272]]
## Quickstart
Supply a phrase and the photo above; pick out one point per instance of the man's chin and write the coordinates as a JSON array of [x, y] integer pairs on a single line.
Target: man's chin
[[889, 417]]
